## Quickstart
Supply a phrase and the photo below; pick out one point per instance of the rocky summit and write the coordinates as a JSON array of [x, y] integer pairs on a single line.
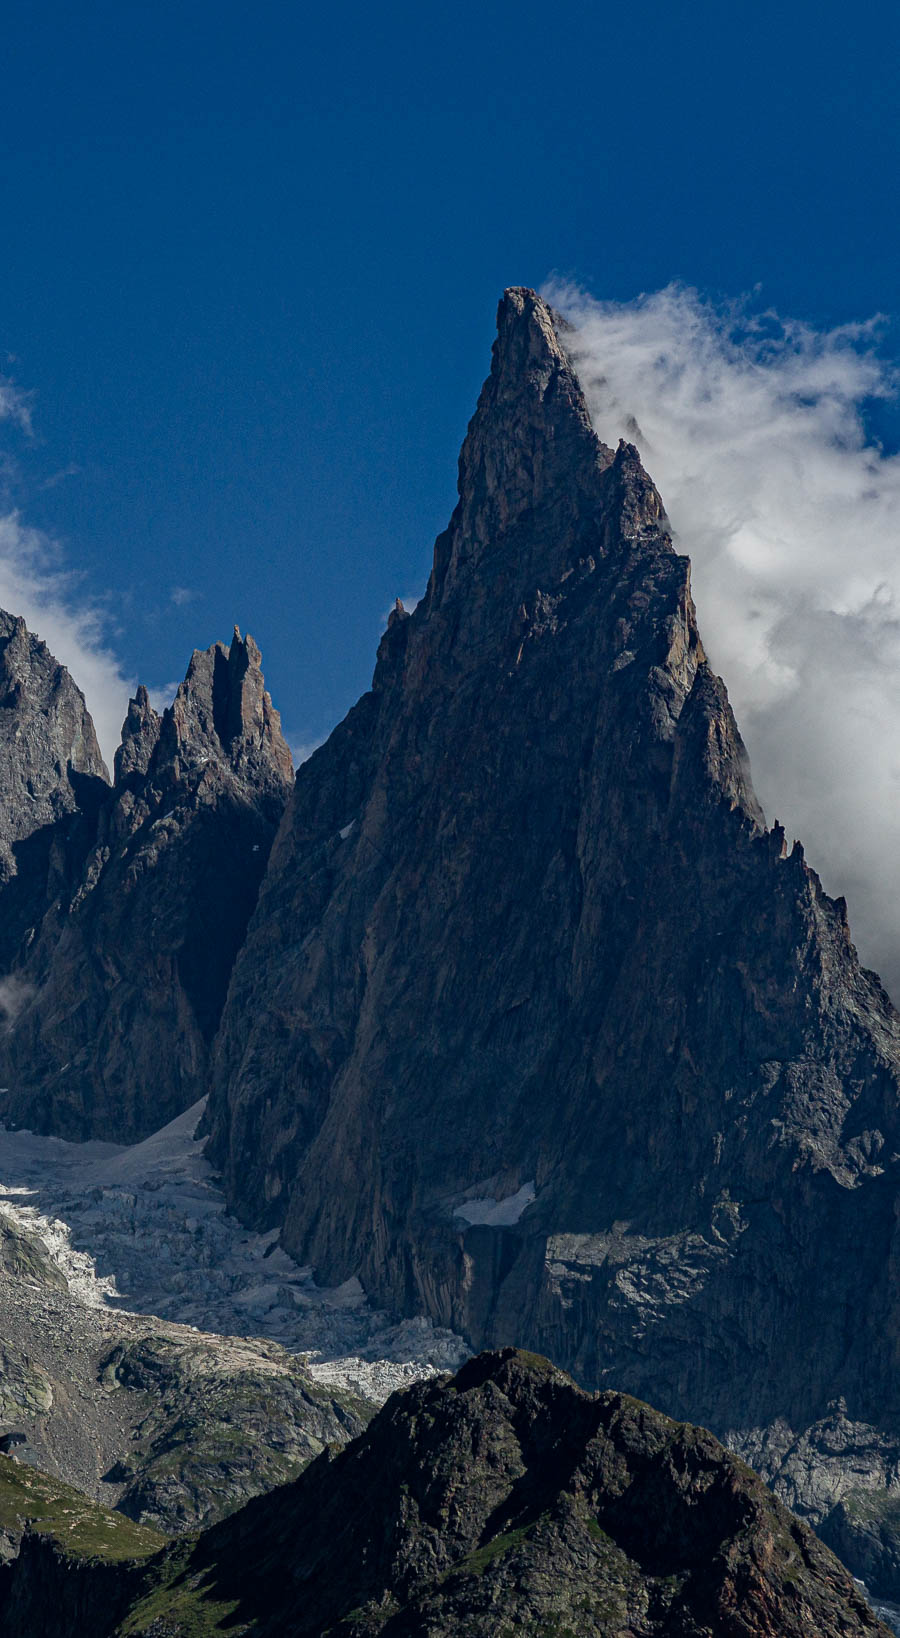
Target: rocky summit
[[120, 976], [48, 747], [500, 1501], [537, 1028]]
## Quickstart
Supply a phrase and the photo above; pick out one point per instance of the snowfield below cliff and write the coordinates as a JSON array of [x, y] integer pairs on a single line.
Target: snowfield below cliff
[[145, 1229]]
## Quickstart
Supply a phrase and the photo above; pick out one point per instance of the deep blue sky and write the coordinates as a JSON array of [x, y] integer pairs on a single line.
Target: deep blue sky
[[251, 256]]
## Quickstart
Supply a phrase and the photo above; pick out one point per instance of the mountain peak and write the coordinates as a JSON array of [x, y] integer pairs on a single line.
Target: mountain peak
[[222, 712], [506, 1500], [140, 732], [150, 899], [530, 450]]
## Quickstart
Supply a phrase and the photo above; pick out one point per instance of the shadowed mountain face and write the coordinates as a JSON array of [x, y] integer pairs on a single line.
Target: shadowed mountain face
[[536, 1028], [502, 1501], [120, 975]]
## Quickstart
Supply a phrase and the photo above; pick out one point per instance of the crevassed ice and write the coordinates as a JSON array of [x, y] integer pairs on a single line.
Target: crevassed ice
[[145, 1228]]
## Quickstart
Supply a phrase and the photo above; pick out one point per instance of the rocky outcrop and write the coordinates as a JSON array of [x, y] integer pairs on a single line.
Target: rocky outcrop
[[217, 1421], [50, 769], [537, 1029], [47, 740], [503, 1501], [121, 984], [171, 1425], [842, 1477]]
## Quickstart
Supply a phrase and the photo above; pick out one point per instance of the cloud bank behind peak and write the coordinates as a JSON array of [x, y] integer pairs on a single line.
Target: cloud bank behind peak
[[35, 585], [753, 429]]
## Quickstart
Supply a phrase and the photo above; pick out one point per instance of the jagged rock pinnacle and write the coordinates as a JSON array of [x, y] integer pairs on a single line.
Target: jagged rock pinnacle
[[530, 447], [140, 732], [151, 909], [222, 711], [525, 943]]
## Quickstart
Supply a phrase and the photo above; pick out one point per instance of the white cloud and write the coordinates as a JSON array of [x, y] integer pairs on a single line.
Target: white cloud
[[161, 698], [752, 430], [15, 405], [302, 749], [35, 584], [180, 595], [14, 993]]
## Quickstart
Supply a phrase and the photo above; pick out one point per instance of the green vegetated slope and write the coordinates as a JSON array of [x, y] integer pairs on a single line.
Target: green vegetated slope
[[503, 1501], [34, 1502]]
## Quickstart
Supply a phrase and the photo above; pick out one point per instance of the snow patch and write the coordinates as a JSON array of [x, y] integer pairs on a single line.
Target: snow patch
[[497, 1213]]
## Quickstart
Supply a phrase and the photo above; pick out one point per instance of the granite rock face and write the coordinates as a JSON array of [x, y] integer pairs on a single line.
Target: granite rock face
[[50, 769], [123, 976], [501, 1501], [537, 1029], [47, 740]]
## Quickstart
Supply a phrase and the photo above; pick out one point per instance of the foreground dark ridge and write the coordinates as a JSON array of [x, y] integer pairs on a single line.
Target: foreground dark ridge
[[525, 938], [500, 1501]]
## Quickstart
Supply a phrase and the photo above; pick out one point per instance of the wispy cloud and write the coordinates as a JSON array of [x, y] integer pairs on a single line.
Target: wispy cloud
[[161, 698], [302, 749], [752, 428], [180, 595], [15, 405], [35, 583], [59, 477]]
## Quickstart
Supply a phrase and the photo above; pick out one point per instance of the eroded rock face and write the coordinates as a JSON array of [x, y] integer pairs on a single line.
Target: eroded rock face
[[537, 1029], [172, 1425], [842, 1477], [47, 739], [123, 981], [50, 769], [223, 1420]]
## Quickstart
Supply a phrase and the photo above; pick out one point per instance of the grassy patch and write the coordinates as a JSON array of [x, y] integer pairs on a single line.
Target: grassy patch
[[477, 1562], [31, 1500], [181, 1605]]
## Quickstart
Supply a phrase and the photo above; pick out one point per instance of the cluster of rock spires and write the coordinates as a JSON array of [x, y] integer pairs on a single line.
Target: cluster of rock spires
[[127, 903], [500, 1501], [526, 1019]]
